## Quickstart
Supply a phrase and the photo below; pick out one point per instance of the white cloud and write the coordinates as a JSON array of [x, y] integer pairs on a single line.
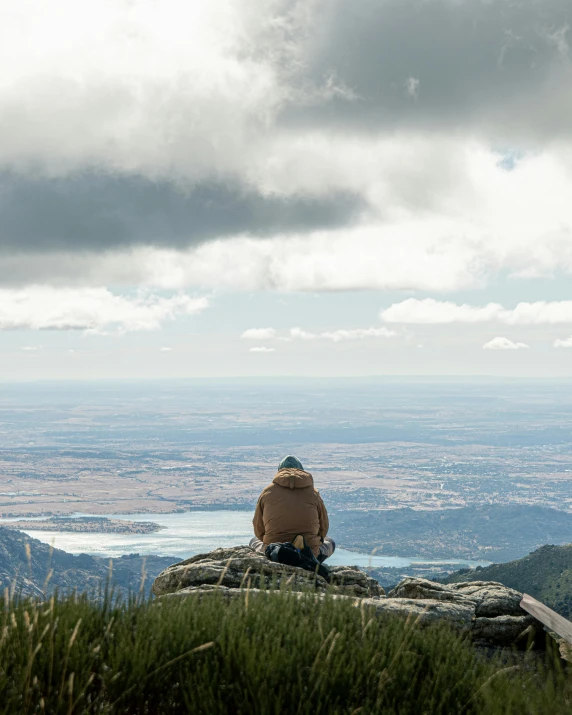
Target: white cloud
[[259, 334], [262, 349], [431, 311], [412, 86], [137, 86], [396, 256], [339, 335], [550, 312], [31, 348], [166, 350], [300, 334], [357, 334], [91, 309], [335, 335], [503, 344], [566, 343]]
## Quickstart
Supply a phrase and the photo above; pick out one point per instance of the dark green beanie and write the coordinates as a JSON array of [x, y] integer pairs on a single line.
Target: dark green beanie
[[290, 463]]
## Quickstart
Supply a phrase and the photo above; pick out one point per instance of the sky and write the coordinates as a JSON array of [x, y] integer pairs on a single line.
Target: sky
[[285, 187]]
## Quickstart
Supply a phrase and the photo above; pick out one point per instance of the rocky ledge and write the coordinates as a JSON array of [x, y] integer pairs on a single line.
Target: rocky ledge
[[241, 567], [487, 610]]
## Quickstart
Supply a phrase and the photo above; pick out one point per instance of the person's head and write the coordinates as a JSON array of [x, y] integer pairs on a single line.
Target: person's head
[[290, 462]]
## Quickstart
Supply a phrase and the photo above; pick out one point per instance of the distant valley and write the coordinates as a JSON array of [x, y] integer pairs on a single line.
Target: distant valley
[[106, 449], [471, 470]]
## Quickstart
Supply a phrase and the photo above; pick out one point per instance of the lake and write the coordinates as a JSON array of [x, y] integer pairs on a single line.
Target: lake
[[194, 532]]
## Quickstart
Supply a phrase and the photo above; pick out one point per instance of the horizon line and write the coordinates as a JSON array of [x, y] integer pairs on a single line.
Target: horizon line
[[288, 378]]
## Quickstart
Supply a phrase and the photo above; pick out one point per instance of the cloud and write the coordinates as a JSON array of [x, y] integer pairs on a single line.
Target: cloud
[[339, 335], [431, 311], [300, 334], [91, 309], [259, 334], [262, 349], [566, 343], [93, 210], [487, 66], [434, 311], [229, 77], [503, 344], [335, 336], [412, 86], [166, 350], [313, 163], [89, 96], [31, 348], [357, 334], [476, 222]]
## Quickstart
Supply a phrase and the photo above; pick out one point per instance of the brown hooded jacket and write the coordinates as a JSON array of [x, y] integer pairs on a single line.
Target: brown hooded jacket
[[291, 506]]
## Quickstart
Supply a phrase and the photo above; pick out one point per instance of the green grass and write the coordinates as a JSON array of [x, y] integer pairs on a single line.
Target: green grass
[[254, 655]]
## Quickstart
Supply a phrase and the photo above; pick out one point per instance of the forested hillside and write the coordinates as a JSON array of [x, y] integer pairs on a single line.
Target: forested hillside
[[488, 532], [31, 567], [545, 574]]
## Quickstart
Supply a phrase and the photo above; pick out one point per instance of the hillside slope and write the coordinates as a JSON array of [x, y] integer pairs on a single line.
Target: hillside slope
[[32, 567], [545, 574], [488, 532]]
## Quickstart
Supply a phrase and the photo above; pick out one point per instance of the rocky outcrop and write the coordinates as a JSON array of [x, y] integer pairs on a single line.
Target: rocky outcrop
[[487, 598], [426, 611], [488, 611], [497, 617], [240, 567]]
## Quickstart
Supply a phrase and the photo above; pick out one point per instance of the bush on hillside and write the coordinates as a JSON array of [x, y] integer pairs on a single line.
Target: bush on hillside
[[253, 655]]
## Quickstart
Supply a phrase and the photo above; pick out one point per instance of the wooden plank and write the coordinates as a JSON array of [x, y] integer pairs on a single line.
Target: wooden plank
[[552, 620]]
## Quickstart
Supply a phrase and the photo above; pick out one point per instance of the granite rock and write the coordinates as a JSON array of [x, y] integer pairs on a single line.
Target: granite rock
[[488, 611], [488, 597], [497, 616], [504, 630], [426, 611], [240, 567]]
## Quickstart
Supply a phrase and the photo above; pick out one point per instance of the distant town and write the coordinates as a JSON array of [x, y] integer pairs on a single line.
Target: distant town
[[87, 525], [374, 447]]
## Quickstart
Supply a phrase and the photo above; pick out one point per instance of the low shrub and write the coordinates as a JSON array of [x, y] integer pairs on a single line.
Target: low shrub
[[259, 654]]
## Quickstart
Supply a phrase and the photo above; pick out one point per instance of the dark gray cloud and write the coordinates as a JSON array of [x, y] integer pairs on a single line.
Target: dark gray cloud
[[475, 60], [94, 211]]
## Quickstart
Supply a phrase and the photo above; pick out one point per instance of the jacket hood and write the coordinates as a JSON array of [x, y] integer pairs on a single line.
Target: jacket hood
[[290, 462], [293, 479]]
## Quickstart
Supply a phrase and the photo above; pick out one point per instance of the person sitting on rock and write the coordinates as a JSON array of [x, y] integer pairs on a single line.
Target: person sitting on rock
[[291, 510]]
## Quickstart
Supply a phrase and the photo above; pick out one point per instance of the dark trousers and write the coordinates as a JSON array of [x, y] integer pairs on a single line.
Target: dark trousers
[[327, 547]]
